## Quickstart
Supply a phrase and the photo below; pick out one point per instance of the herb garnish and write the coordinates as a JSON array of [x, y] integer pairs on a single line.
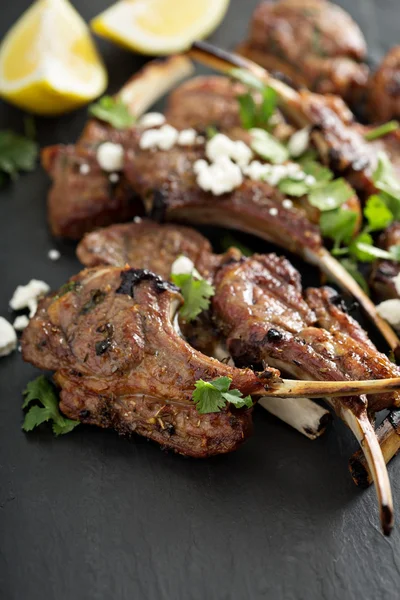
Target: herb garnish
[[268, 147], [17, 153], [40, 390], [257, 115], [112, 111], [381, 130], [211, 396], [196, 293]]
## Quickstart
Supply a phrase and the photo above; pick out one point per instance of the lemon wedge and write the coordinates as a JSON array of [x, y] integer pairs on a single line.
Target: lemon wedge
[[159, 26], [48, 61]]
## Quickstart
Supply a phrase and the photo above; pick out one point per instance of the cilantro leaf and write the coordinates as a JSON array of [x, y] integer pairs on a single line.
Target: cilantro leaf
[[40, 390], [112, 111], [377, 213], [352, 268], [267, 146], [381, 130], [332, 195], [385, 180], [320, 173], [338, 225], [357, 245], [17, 153], [293, 187], [371, 252], [268, 105], [196, 293], [211, 396], [247, 110]]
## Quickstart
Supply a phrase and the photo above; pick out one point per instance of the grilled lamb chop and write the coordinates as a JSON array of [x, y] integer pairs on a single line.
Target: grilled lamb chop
[[119, 362], [260, 308], [315, 43], [384, 88], [83, 196], [383, 271]]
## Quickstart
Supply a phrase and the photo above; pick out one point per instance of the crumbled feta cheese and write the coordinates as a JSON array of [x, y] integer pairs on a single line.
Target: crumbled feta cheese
[[164, 138], [396, 281], [187, 137], [137, 219], [21, 322], [200, 165], [256, 170], [273, 212], [287, 203], [221, 177], [8, 337], [220, 145], [152, 119], [309, 180], [110, 156], [299, 142], [114, 177], [53, 254], [390, 311], [184, 266], [25, 296], [84, 169]]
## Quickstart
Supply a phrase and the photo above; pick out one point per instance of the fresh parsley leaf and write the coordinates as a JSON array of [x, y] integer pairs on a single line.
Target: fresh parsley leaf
[[228, 241], [17, 153], [331, 196], [371, 252], [293, 187], [247, 110], [211, 132], [267, 146], [377, 213], [378, 132], [385, 180], [196, 294], [357, 245], [267, 107], [40, 390], [112, 111], [320, 173], [247, 79], [338, 225], [211, 396], [352, 268]]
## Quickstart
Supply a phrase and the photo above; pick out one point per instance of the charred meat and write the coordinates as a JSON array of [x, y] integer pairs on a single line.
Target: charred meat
[[384, 88], [316, 44], [119, 362]]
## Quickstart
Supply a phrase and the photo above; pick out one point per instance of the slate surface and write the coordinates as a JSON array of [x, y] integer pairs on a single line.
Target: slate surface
[[93, 517]]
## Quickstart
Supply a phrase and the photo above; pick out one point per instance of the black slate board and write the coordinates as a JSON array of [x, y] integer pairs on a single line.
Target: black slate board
[[94, 517]]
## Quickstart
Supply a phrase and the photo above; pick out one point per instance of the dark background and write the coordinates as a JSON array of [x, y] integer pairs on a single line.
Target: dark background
[[91, 516]]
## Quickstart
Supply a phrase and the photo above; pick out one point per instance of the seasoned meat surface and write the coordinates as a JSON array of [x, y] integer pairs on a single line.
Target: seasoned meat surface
[[383, 271], [315, 43], [384, 88], [146, 245], [120, 363], [265, 318]]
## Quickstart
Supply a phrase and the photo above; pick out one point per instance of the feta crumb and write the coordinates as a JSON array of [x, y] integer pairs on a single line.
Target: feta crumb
[[273, 212], [25, 296], [390, 311], [164, 138], [220, 145], [21, 322], [114, 177], [84, 169], [184, 266], [8, 337], [187, 137], [287, 203], [220, 177], [137, 219], [53, 254], [152, 119], [299, 142], [110, 156], [256, 170], [200, 165], [309, 180], [396, 281]]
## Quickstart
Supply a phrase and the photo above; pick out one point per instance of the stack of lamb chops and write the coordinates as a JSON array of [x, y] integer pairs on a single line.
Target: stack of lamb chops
[[159, 200], [111, 336]]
